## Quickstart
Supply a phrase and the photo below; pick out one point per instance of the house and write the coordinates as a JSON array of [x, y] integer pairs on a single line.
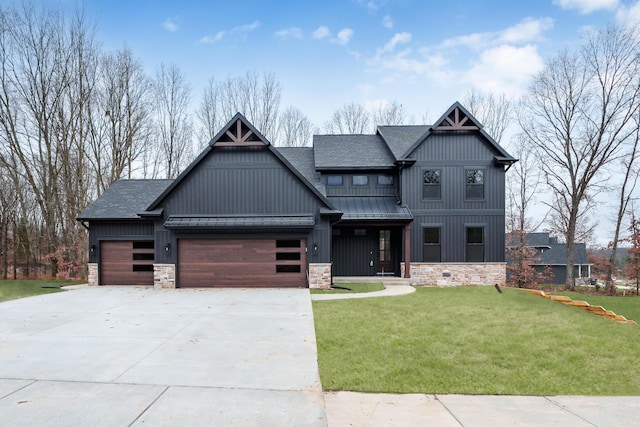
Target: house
[[422, 202], [551, 256]]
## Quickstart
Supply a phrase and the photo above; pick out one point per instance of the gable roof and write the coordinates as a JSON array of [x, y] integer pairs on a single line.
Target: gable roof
[[302, 158], [400, 138], [239, 132], [457, 118], [124, 199], [351, 152]]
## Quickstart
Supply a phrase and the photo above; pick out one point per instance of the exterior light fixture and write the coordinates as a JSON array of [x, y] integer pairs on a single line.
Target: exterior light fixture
[[92, 249], [315, 249], [167, 248]]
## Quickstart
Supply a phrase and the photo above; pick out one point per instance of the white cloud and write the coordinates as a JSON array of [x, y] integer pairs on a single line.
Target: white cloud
[[247, 27], [291, 32], [629, 15], [527, 30], [586, 6], [387, 22], [170, 25], [399, 38], [505, 69], [321, 32], [343, 36], [212, 39], [371, 5]]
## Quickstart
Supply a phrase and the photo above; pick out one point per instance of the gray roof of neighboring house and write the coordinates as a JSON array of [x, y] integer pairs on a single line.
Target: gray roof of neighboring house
[[371, 208], [535, 240], [401, 138], [557, 255], [302, 158], [125, 199], [351, 152]]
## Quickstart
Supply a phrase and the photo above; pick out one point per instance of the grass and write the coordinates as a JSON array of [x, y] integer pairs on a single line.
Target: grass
[[473, 340], [629, 307], [356, 288], [14, 289]]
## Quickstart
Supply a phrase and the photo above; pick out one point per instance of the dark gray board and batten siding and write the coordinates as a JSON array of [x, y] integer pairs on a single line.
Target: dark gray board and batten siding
[[453, 153]]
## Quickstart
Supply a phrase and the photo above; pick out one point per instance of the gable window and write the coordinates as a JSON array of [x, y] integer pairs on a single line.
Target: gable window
[[475, 244], [334, 180], [385, 180], [359, 180], [431, 251], [475, 184], [431, 184]]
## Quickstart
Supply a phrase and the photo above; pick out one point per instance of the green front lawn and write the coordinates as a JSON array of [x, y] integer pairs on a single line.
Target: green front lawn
[[14, 289], [356, 288], [473, 340]]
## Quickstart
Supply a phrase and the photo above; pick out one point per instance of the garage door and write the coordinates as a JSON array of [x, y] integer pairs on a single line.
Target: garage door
[[241, 263], [126, 262]]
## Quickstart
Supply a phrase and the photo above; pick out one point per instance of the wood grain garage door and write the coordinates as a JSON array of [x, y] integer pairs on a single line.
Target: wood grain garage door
[[241, 263], [126, 262]]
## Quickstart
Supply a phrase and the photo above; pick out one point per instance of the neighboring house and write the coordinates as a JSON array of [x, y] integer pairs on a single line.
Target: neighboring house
[[552, 256], [422, 202]]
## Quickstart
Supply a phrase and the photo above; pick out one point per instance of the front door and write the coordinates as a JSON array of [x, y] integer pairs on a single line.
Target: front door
[[385, 254]]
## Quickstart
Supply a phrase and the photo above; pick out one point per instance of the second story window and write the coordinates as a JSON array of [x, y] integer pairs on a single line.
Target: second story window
[[475, 184], [385, 180], [359, 180], [334, 180], [431, 184]]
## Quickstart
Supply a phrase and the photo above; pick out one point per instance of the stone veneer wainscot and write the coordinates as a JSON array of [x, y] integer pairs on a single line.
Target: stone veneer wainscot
[[454, 274], [320, 276], [164, 276], [92, 272]]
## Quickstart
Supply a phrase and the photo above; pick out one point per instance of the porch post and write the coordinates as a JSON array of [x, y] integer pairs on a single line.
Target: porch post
[[407, 251]]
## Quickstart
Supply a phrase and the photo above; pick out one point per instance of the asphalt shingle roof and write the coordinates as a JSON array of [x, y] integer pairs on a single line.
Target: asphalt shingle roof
[[351, 151], [125, 199], [302, 158], [401, 138]]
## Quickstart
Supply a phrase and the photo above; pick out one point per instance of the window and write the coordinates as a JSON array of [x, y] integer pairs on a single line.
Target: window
[[334, 180], [431, 246], [475, 244], [431, 184], [385, 180], [475, 184], [359, 180], [384, 246]]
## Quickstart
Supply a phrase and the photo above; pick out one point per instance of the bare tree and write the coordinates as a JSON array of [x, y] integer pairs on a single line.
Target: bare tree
[[121, 117], [256, 96], [523, 184], [626, 189], [173, 122], [577, 117], [295, 128], [350, 119], [389, 114], [493, 111]]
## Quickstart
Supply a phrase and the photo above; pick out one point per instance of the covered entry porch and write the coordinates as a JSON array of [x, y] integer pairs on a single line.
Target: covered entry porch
[[372, 238]]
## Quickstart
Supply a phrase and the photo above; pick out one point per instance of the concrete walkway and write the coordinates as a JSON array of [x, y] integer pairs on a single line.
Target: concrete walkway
[[388, 291], [121, 356]]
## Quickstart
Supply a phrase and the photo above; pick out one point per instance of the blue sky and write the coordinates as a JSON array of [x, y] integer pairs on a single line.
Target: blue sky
[[422, 54]]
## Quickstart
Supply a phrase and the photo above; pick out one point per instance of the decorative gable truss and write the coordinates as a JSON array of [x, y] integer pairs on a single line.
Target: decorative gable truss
[[238, 133], [457, 119]]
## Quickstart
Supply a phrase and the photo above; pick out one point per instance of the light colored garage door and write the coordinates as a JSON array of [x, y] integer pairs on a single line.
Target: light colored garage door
[[241, 263], [126, 262]]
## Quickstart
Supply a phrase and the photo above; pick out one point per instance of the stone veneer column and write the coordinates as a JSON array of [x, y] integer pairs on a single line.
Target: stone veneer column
[[320, 276], [164, 276], [92, 273], [453, 274]]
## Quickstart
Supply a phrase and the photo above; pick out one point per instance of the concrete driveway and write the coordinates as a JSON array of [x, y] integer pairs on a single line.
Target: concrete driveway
[[117, 356]]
